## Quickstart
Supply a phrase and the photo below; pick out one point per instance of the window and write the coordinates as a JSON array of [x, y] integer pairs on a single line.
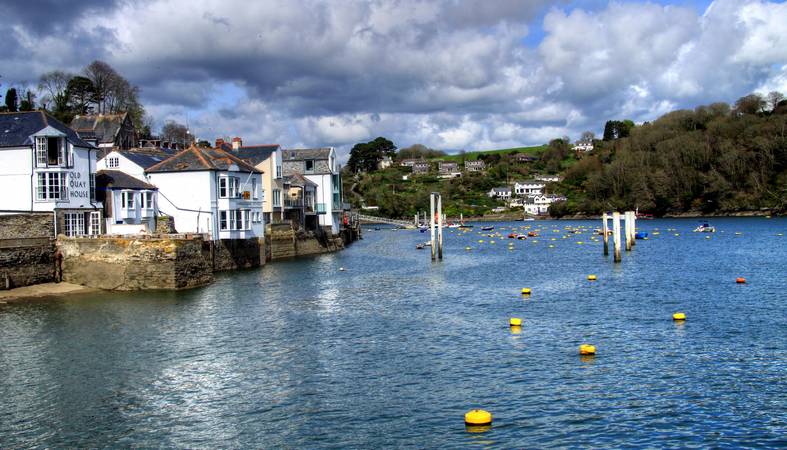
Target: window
[[146, 200], [309, 165], [50, 151], [95, 223], [92, 187], [235, 219], [113, 162], [276, 197], [41, 151], [127, 199], [74, 224], [278, 171], [254, 189], [229, 187], [51, 186]]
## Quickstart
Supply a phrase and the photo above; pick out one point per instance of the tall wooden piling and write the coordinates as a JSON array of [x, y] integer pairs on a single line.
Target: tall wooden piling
[[627, 229], [616, 235], [431, 226], [605, 230], [440, 226], [633, 228]]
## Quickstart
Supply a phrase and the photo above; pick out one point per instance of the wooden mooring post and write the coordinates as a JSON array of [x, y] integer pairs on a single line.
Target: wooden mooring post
[[605, 230], [440, 226], [616, 235]]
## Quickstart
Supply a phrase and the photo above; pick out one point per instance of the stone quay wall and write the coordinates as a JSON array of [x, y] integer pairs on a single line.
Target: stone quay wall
[[283, 242], [136, 263], [27, 250], [234, 254]]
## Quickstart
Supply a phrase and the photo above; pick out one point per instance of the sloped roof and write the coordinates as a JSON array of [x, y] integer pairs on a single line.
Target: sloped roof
[[120, 180], [102, 127], [146, 157], [299, 154], [255, 154], [198, 158], [16, 128], [297, 179]]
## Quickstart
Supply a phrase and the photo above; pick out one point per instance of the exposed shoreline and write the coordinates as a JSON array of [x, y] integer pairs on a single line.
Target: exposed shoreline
[[44, 291]]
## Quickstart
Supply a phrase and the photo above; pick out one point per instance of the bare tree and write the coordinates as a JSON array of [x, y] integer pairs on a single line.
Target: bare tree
[[176, 132], [774, 97], [54, 89], [587, 136], [103, 76]]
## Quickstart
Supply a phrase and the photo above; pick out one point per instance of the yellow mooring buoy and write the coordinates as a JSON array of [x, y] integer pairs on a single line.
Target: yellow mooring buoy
[[591, 278], [679, 316], [478, 417], [515, 322], [587, 349], [526, 291]]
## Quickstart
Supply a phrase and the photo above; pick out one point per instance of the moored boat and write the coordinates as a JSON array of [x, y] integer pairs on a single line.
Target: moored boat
[[705, 227]]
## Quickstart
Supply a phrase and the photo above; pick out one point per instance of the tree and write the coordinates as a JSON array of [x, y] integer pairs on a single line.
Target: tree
[[616, 129], [750, 104], [54, 86], [103, 76], [587, 136], [364, 157], [28, 102], [176, 132], [11, 101], [774, 98], [81, 93]]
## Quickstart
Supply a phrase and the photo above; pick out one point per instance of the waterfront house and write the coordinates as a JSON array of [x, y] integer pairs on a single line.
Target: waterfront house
[[46, 167], [106, 131], [300, 207], [421, 167], [134, 162], [529, 187], [475, 166], [538, 204], [210, 191], [266, 158], [130, 204], [500, 193], [319, 166]]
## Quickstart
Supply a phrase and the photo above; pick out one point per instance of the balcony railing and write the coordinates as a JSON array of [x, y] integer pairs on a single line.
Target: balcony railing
[[293, 202]]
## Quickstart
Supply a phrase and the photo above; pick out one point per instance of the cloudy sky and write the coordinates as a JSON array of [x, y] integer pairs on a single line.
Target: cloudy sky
[[450, 74]]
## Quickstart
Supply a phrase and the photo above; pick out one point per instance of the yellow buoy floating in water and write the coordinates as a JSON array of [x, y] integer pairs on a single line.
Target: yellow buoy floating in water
[[515, 322], [478, 417], [468, 248], [679, 316], [587, 349], [526, 291], [591, 277]]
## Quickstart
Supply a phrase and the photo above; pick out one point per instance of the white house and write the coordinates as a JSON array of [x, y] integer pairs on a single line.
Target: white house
[[208, 190], [538, 204], [583, 146], [130, 204], [501, 193], [529, 187], [46, 167], [548, 178], [134, 162], [319, 166]]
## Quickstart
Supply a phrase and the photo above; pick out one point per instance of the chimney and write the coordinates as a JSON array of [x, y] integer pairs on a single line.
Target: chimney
[[219, 142], [236, 143]]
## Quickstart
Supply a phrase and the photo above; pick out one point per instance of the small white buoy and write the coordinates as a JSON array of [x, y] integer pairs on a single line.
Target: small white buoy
[[341, 269]]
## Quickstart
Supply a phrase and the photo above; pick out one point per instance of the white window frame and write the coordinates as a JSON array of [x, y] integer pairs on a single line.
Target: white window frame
[[229, 187], [113, 162], [234, 220], [127, 199], [277, 198], [94, 227], [74, 224], [146, 200], [51, 186], [306, 165], [278, 171], [254, 194]]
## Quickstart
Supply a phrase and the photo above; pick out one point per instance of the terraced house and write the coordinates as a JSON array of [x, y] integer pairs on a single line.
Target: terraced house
[[45, 167], [319, 166]]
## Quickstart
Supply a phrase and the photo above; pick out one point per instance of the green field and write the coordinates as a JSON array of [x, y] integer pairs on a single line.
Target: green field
[[471, 156]]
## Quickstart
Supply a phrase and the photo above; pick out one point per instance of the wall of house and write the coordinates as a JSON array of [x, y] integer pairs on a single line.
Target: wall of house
[[189, 198], [15, 176], [77, 180], [132, 225], [125, 165], [136, 264], [324, 192]]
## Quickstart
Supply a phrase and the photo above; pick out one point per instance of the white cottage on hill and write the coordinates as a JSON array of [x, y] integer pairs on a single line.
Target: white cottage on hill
[[208, 190], [46, 167]]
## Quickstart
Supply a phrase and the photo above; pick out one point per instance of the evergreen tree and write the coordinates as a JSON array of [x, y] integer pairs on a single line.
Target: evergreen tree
[[11, 101]]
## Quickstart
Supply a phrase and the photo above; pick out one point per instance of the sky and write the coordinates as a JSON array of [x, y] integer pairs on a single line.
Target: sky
[[450, 74]]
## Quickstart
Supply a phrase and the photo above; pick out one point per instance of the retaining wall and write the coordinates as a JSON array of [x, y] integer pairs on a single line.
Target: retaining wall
[[27, 250]]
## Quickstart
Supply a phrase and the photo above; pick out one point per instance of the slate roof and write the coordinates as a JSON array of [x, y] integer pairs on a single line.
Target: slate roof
[[102, 127], [146, 158], [198, 158], [16, 129], [254, 154], [297, 179], [115, 179], [300, 154]]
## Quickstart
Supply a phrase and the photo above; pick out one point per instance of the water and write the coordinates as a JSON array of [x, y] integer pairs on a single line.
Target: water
[[393, 351]]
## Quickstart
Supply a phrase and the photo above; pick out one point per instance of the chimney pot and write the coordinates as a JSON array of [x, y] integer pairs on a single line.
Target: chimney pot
[[236, 143]]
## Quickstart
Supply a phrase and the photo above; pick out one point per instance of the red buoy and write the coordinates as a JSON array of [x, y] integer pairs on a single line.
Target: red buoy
[[740, 280]]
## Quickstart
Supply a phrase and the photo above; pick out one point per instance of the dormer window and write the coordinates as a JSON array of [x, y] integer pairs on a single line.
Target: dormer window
[[113, 162], [50, 151], [309, 165]]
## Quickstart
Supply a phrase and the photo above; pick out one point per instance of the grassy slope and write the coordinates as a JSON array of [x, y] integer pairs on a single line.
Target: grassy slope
[[470, 156]]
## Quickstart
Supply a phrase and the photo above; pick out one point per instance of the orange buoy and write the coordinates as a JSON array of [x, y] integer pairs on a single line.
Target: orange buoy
[[740, 280]]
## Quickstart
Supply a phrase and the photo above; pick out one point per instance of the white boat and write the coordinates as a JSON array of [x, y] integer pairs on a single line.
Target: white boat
[[705, 228]]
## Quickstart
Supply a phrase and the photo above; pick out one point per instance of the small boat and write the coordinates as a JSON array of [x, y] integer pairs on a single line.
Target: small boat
[[521, 237], [705, 228], [419, 246], [489, 228], [532, 233], [640, 235], [512, 236], [461, 225]]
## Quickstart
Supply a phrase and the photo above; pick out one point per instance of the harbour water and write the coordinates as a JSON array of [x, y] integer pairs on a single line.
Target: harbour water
[[392, 351]]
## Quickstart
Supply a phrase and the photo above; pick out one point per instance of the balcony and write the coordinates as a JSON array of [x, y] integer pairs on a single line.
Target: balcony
[[293, 202], [321, 208]]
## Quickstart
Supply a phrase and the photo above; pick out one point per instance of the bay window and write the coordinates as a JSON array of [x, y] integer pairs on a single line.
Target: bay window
[[127, 199], [235, 219], [146, 200]]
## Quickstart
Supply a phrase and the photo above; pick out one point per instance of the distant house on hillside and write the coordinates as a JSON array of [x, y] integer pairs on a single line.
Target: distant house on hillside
[[538, 204], [548, 178], [583, 147], [408, 162], [448, 169], [385, 163], [500, 193], [106, 131], [525, 158], [421, 167], [475, 166], [529, 187]]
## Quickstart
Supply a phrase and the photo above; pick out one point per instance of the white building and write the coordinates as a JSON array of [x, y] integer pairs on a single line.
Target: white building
[[529, 187], [501, 193], [46, 167], [319, 166], [538, 204], [583, 147], [134, 162], [548, 178], [208, 190], [130, 204]]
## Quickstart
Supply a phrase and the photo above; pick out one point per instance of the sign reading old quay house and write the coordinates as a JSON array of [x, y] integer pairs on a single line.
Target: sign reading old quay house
[[50, 170]]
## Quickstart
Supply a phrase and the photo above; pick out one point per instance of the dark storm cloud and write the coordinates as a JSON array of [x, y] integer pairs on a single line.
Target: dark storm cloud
[[47, 17]]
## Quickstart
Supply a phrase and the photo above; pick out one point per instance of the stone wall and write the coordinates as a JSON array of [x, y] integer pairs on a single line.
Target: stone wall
[[24, 262], [233, 254], [27, 226], [283, 243], [135, 263]]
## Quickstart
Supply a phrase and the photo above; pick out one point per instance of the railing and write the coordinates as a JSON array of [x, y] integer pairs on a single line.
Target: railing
[[293, 202], [375, 219]]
